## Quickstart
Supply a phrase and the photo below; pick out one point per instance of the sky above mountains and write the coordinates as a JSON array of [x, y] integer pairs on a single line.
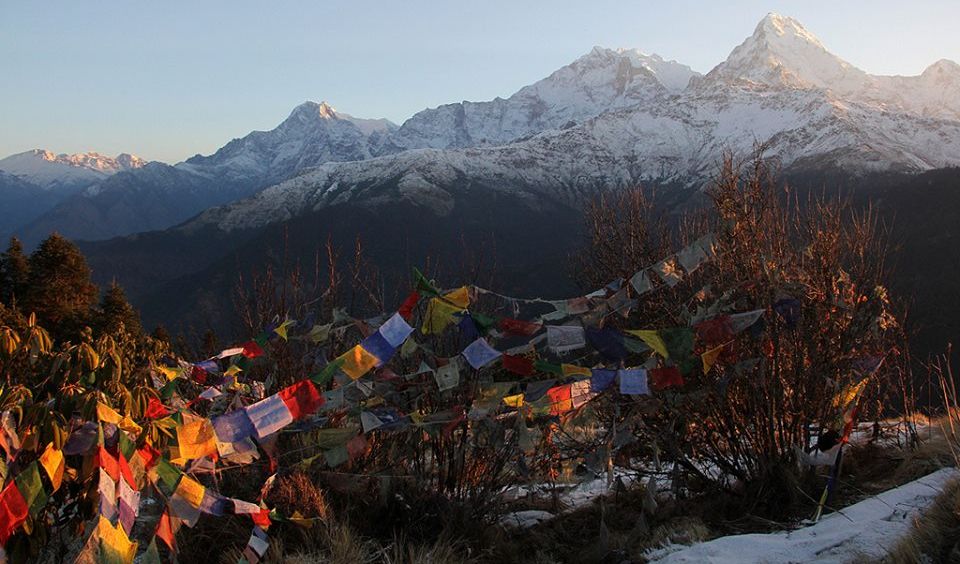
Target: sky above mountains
[[168, 80]]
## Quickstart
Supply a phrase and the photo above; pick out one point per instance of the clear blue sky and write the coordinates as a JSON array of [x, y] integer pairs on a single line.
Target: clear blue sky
[[169, 79]]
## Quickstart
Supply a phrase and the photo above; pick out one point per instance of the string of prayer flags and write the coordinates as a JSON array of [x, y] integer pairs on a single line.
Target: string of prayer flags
[[633, 382], [565, 338], [479, 353]]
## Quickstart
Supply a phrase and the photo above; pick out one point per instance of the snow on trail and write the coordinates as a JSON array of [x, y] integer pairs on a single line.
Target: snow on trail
[[866, 529]]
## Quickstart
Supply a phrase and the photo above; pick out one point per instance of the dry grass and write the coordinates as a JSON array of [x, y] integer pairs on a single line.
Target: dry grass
[[935, 536]]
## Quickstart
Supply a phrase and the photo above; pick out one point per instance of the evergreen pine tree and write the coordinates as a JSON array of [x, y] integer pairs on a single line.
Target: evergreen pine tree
[[14, 273], [59, 289], [116, 311]]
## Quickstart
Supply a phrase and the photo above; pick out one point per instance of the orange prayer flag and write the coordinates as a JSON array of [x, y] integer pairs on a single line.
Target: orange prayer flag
[[53, 463]]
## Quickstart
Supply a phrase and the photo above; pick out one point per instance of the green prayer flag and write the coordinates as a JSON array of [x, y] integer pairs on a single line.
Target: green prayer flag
[[483, 322], [543, 366], [324, 377], [168, 475], [151, 555], [168, 390], [423, 285], [31, 488], [127, 447], [679, 343]]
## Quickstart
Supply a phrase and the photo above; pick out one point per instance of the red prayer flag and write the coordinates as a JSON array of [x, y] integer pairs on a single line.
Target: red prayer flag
[[518, 327], [108, 462], [261, 519], [252, 350], [198, 374], [165, 531], [406, 308], [560, 399], [156, 409], [302, 399], [149, 455], [126, 472], [13, 511], [667, 377], [518, 365], [714, 332]]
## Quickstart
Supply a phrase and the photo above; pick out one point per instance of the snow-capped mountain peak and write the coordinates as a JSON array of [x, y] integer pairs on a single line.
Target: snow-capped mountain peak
[[781, 52], [69, 172]]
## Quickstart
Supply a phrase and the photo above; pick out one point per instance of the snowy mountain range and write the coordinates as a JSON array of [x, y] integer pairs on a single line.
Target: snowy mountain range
[[611, 118]]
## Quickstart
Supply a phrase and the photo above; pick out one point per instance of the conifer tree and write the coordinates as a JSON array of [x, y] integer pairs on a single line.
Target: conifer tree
[[14, 273], [116, 312], [59, 289]]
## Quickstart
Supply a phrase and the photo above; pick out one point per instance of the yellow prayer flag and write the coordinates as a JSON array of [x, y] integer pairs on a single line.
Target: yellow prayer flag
[[233, 369], [652, 339], [282, 329], [438, 316], [196, 438], [115, 545], [710, 357], [459, 297], [53, 463], [191, 490], [106, 414], [357, 362], [169, 373], [574, 370], [514, 401]]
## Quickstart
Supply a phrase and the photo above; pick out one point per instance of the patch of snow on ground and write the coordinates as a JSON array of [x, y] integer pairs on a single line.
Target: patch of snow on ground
[[866, 529]]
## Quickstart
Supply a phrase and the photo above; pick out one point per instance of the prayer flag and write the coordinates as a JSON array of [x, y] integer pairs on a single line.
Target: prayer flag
[[115, 545], [608, 343], [666, 377], [601, 379], [302, 399], [574, 370], [155, 409], [633, 382], [191, 490], [395, 330], [714, 331], [560, 399], [565, 338], [357, 362], [669, 271], [53, 464], [252, 350], [709, 358], [741, 321], [479, 353], [107, 490], [518, 328], [233, 427], [196, 438], [378, 346], [269, 415], [691, 257], [580, 393], [518, 365], [165, 531], [447, 376], [29, 483], [406, 308], [652, 339], [13, 511]]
